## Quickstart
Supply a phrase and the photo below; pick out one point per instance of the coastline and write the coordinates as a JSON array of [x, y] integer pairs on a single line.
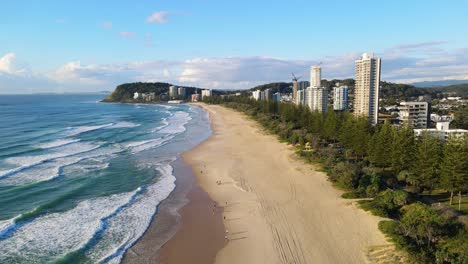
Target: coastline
[[277, 208], [164, 239]]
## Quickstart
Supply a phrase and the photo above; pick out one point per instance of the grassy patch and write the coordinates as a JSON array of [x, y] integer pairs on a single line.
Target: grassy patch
[[351, 195], [444, 199], [369, 206]]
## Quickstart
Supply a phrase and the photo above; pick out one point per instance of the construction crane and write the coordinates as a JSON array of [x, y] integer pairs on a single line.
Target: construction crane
[[295, 79]]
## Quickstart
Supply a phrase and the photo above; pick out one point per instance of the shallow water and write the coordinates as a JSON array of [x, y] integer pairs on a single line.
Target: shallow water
[[80, 180]]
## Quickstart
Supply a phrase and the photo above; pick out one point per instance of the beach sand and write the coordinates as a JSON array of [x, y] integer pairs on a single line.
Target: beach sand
[[185, 230], [277, 208]]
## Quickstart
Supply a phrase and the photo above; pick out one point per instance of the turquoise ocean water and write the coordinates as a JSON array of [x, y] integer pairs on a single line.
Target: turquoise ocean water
[[80, 180]]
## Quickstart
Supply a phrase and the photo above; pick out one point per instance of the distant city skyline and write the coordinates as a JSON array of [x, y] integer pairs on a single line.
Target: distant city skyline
[[86, 46]]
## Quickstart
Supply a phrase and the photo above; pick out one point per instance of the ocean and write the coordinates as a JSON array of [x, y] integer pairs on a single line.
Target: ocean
[[80, 181]]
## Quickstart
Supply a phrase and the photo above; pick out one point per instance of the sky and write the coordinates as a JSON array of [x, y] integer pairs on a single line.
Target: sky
[[87, 46]]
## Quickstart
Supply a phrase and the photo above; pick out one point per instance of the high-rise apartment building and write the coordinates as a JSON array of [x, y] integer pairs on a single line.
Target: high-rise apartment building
[[366, 90], [303, 85], [340, 98], [276, 97], [315, 76], [258, 95], [295, 89], [268, 94], [205, 93], [181, 91], [316, 98], [173, 91], [301, 97]]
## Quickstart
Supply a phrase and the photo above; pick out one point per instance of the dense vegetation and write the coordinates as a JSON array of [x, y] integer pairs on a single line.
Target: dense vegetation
[[389, 90], [124, 92], [387, 164]]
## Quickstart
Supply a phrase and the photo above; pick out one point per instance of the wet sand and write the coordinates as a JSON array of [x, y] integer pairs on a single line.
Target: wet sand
[[186, 220]]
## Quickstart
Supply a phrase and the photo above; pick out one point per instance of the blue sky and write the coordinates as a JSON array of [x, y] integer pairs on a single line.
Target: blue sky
[[94, 45]]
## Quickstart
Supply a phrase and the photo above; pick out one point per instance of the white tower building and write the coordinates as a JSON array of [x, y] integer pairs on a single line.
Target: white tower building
[[340, 98], [366, 90], [315, 76]]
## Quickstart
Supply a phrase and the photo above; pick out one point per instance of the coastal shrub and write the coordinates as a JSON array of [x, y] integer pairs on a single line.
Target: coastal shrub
[[345, 174], [351, 195], [454, 250], [387, 203], [421, 230], [369, 185]]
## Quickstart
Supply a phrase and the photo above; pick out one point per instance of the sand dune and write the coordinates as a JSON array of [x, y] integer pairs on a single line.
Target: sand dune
[[277, 208]]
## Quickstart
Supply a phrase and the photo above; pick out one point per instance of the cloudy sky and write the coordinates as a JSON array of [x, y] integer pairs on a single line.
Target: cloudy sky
[[86, 46]]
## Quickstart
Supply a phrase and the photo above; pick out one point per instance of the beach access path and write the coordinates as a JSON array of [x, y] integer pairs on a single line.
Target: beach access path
[[277, 208]]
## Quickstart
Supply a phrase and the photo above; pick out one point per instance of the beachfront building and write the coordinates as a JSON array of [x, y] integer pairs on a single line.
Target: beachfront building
[[181, 91], [137, 95], [268, 94], [276, 97], [205, 93], [301, 97], [173, 91], [414, 114], [299, 86], [442, 131], [315, 96], [366, 89], [258, 95], [316, 99], [195, 97], [340, 98]]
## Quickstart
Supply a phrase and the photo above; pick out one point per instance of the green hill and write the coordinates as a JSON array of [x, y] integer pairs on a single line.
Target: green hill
[[124, 92]]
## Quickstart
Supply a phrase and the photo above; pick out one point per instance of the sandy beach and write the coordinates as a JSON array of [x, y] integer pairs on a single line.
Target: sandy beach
[[185, 230], [277, 208]]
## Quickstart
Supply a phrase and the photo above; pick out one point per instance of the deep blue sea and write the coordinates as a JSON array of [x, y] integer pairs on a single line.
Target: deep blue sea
[[80, 181]]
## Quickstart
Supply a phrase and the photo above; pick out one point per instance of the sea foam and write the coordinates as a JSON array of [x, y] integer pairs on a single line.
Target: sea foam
[[176, 124]]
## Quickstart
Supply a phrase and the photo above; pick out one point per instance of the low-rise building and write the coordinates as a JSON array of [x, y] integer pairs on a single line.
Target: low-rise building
[[442, 131], [195, 97], [414, 114]]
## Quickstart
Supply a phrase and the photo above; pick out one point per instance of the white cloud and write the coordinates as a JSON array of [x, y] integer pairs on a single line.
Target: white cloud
[[160, 17], [127, 34], [10, 65], [229, 72]]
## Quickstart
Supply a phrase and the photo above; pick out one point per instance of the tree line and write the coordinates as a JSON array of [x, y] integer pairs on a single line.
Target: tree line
[[386, 163]]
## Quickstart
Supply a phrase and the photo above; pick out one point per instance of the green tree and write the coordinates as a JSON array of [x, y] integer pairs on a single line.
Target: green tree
[[380, 146], [329, 129], [424, 224], [425, 169], [402, 149], [454, 168]]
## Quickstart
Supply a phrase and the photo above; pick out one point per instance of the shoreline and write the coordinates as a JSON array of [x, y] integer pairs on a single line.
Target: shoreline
[[177, 218], [277, 208]]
